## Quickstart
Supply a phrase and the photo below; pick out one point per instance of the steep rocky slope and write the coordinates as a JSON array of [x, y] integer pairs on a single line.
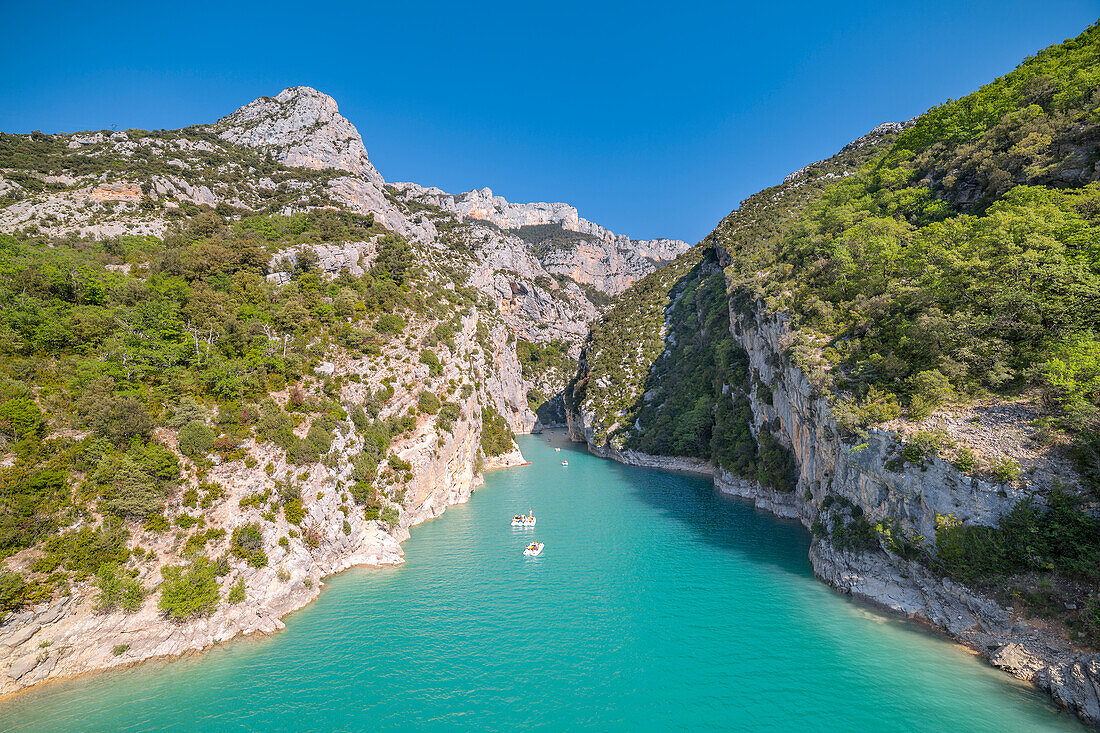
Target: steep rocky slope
[[810, 355], [351, 351], [566, 244]]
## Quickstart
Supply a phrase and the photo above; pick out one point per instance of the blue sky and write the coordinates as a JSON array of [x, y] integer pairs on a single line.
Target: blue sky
[[654, 119]]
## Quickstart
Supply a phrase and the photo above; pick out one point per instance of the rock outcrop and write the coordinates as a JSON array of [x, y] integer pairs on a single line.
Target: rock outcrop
[[906, 496], [303, 128], [598, 257]]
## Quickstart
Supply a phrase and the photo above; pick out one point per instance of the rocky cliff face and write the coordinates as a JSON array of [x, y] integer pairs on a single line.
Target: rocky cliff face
[[871, 474], [506, 293], [607, 261], [302, 128]]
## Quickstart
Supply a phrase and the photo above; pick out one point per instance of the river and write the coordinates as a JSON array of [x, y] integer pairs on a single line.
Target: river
[[656, 604]]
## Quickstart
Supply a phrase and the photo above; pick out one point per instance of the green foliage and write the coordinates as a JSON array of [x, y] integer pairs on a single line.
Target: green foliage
[[126, 488], [190, 591], [394, 261], [777, 467], [1062, 539], [390, 323], [930, 389], [855, 534], [84, 551], [496, 436], [434, 367], [20, 418], [236, 592], [955, 259], [623, 345], [1004, 469], [248, 544], [319, 437], [449, 412], [15, 591], [545, 362], [853, 415], [389, 516], [966, 461], [294, 510], [118, 590], [196, 439], [186, 411], [428, 403]]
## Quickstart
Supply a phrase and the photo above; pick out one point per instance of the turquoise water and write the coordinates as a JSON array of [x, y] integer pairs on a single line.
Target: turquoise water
[[655, 605]]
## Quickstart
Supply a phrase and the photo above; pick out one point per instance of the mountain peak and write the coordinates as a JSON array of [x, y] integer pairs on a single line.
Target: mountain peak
[[300, 127]]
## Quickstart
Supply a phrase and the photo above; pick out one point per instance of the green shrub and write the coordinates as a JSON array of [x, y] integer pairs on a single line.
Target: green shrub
[[294, 511], [855, 535], [118, 589], [1062, 538], [319, 438], [928, 390], [496, 436], [390, 323], [428, 403], [275, 425], [434, 367], [397, 463], [190, 591], [236, 591], [777, 467], [966, 461], [449, 412], [1004, 469], [119, 649], [20, 418], [126, 489], [389, 516], [13, 591], [196, 439], [248, 544], [156, 522], [186, 411], [85, 550]]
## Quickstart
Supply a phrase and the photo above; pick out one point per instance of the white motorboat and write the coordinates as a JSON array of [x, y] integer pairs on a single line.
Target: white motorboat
[[565, 463], [524, 520], [557, 450], [534, 549]]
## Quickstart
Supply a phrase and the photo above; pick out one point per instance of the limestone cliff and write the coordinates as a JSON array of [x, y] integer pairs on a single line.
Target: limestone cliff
[[596, 256], [295, 154]]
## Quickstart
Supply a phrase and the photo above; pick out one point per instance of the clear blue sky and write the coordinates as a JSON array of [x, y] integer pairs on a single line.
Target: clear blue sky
[[653, 119]]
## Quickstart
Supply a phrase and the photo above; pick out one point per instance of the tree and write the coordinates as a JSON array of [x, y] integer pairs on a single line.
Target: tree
[[118, 589], [188, 591], [196, 439], [248, 544], [125, 488]]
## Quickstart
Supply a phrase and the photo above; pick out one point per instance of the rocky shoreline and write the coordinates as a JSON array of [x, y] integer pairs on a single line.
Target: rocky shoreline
[[77, 634], [1029, 652]]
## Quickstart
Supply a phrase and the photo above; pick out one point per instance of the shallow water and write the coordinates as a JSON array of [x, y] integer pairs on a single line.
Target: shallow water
[[655, 604]]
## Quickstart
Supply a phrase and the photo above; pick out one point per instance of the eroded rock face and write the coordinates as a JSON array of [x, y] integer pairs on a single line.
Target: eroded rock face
[[607, 261], [906, 496], [300, 127], [519, 297]]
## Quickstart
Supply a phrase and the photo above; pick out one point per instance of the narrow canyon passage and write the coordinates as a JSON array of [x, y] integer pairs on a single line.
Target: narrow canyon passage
[[656, 604]]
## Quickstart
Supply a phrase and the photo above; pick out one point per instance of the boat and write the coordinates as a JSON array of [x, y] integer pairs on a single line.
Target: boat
[[557, 450], [524, 520], [565, 463], [534, 549]]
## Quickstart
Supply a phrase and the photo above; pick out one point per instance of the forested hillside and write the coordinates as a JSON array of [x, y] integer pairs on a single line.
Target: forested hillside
[[962, 260], [233, 361], [936, 282]]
